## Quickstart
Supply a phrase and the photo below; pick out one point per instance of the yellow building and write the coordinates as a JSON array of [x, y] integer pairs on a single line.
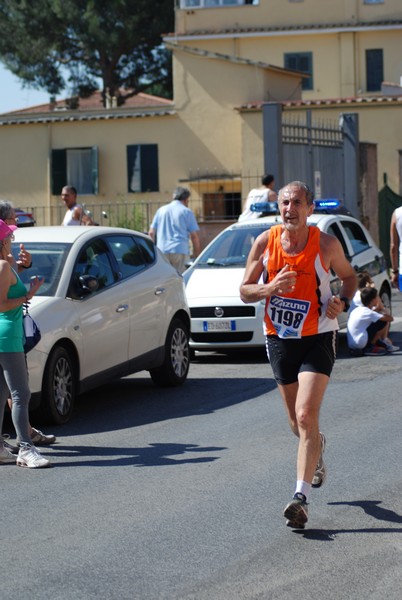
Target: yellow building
[[139, 152], [229, 58], [350, 49]]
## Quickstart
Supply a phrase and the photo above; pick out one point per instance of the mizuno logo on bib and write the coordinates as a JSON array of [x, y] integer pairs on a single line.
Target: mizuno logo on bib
[[288, 315]]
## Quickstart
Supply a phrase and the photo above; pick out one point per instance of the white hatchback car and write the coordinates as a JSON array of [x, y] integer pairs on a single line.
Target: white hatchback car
[[110, 305], [221, 321]]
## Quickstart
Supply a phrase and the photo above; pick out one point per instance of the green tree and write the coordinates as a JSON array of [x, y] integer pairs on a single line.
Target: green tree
[[116, 41]]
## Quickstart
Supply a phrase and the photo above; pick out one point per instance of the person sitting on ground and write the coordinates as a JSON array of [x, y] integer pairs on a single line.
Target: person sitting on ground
[[365, 324], [365, 280]]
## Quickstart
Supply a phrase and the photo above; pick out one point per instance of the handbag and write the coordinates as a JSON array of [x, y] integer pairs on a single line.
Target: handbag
[[32, 332]]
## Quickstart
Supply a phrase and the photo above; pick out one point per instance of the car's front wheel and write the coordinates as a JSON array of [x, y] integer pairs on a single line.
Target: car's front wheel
[[58, 387], [176, 363], [385, 295]]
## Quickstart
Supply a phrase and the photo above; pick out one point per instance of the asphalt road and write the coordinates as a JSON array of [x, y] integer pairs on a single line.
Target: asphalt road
[[178, 494]]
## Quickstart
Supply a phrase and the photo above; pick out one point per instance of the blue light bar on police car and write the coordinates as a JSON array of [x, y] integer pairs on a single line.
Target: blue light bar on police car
[[329, 203], [265, 207]]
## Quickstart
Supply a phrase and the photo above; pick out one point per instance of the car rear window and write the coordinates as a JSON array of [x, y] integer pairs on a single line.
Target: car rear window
[[356, 236]]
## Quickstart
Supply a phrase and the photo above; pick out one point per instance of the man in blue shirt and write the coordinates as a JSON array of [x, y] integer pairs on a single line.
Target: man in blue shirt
[[171, 228]]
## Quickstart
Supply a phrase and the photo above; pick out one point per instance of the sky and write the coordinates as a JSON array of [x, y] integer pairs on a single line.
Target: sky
[[13, 96]]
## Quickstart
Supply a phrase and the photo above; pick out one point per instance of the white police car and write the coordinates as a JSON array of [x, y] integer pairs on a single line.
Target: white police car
[[220, 320]]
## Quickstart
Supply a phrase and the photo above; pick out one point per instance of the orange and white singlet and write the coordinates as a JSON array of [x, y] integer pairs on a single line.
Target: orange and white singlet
[[302, 311]]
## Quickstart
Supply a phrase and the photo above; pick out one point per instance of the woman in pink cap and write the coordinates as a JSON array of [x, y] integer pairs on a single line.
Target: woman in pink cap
[[13, 369]]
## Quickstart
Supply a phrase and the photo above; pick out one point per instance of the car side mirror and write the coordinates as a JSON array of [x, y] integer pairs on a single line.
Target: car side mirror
[[88, 283]]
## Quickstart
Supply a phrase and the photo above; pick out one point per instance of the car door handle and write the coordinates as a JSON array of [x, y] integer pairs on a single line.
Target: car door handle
[[160, 291], [122, 308]]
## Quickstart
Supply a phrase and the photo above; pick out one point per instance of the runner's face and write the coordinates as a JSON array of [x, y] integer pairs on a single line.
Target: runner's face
[[294, 209]]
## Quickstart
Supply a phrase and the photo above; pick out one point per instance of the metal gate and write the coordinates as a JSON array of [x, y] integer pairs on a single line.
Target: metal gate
[[314, 153], [325, 156]]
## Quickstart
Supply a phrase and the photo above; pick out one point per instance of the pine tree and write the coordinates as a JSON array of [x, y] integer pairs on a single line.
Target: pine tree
[[55, 45]]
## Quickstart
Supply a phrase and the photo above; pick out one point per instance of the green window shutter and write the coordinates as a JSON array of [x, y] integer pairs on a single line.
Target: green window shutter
[[374, 69], [95, 170], [149, 168], [301, 61], [132, 159], [142, 168], [58, 171]]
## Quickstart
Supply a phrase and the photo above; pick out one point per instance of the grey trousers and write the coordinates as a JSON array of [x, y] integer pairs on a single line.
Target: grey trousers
[[14, 381]]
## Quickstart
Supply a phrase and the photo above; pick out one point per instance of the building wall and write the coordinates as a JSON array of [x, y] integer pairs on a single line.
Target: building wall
[[264, 32], [205, 97], [223, 150], [26, 152], [339, 58], [208, 92], [283, 13], [112, 138], [368, 188], [24, 166], [252, 145]]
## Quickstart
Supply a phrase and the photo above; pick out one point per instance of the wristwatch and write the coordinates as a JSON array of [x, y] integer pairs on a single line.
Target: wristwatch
[[346, 301]]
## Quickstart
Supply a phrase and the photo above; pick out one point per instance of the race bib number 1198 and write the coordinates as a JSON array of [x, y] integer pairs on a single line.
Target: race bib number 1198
[[288, 315]]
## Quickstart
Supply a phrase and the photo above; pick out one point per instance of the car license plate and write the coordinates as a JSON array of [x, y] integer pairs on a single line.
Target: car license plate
[[219, 325]]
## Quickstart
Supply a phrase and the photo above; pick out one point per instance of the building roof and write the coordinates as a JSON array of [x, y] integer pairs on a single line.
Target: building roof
[[95, 102], [139, 105], [356, 101], [285, 29], [234, 59]]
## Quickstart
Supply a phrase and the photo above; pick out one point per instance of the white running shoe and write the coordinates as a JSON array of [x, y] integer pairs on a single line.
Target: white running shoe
[[391, 348], [388, 345], [28, 456], [5, 456], [320, 474]]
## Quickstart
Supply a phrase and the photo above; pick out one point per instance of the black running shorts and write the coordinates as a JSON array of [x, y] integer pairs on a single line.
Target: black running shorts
[[312, 353]]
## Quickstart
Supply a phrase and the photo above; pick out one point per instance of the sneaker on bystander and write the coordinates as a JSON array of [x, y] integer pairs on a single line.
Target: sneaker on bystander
[[28, 456]]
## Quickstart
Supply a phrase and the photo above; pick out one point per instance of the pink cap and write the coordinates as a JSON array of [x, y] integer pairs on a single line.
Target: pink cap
[[6, 230]]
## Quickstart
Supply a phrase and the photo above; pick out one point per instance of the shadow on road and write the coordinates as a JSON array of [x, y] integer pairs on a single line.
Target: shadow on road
[[133, 402], [329, 535], [154, 455], [370, 507]]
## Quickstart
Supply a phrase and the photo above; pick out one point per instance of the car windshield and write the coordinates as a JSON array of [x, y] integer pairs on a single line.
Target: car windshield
[[47, 262], [232, 247]]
